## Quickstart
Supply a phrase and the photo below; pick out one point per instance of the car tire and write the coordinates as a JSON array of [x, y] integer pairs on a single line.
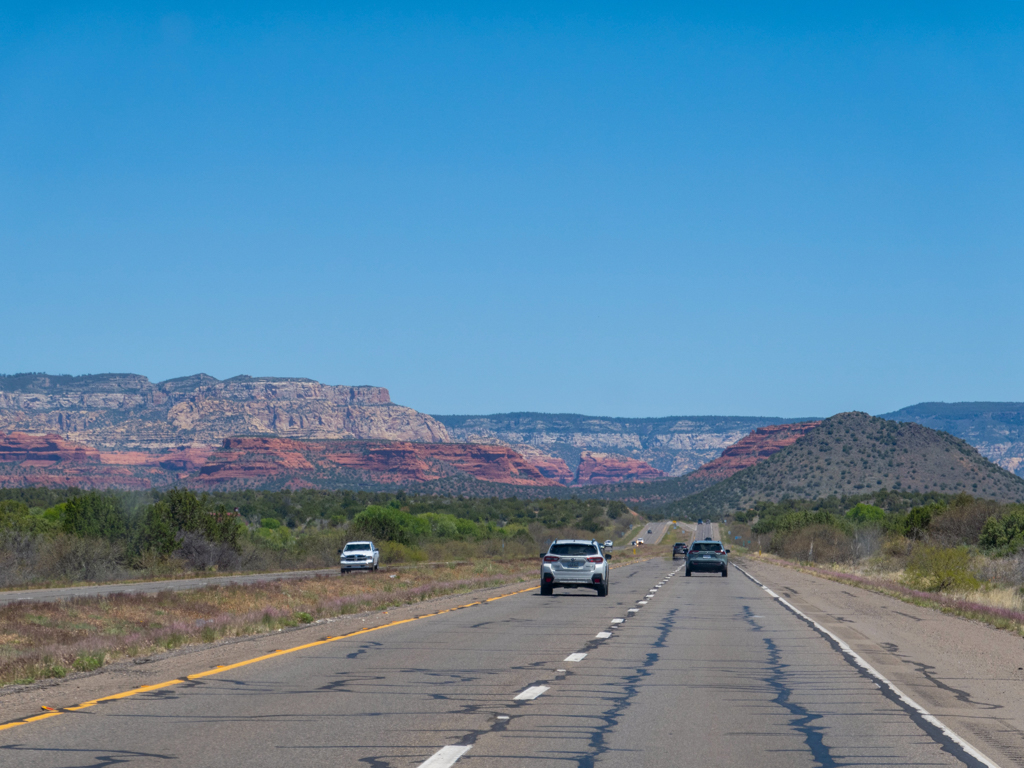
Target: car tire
[[344, 571], [687, 571], [375, 567], [602, 590], [546, 589], [725, 572]]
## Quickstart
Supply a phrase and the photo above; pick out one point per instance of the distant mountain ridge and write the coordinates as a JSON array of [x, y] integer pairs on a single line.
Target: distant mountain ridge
[[854, 453], [675, 445], [995, 429]]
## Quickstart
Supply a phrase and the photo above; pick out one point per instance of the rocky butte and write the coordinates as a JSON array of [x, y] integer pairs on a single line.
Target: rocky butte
[[117, 412]]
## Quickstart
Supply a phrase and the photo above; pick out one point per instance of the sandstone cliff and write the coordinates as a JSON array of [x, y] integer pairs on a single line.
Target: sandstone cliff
[[605, 468], [49, 460], [755, 447], [674, 445], [127, 411]]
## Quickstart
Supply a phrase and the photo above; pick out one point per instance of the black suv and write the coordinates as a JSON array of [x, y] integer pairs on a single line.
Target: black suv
[[678, 549]]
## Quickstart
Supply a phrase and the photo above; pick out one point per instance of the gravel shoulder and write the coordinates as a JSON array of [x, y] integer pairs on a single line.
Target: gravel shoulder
[[968, 674]]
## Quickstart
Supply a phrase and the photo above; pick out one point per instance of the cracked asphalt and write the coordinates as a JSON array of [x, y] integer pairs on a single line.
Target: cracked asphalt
[[706, 671]]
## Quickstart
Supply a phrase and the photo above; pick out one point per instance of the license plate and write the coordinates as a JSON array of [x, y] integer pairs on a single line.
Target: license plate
[[705, 557]]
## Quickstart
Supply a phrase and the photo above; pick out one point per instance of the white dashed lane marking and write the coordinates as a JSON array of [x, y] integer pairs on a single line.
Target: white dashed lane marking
[[445, 756], [532, 692], [575, 657], [603, 635]]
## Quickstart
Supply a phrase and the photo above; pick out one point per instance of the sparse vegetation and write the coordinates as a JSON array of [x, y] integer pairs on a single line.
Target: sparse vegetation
[[113, 536]]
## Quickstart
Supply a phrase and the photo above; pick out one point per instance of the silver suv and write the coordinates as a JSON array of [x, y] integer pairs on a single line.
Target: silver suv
[[573, 563]]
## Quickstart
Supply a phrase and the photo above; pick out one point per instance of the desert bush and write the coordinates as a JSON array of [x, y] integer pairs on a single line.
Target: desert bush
[[201, 554], [73, 558], [1002, 570], [940, 569], [815, 544], [962, 521]]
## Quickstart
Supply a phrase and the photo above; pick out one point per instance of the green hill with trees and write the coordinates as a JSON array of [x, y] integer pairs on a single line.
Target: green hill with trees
[[854, 453]]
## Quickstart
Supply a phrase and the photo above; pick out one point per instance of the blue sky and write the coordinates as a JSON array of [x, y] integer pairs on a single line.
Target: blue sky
[[575, 207]]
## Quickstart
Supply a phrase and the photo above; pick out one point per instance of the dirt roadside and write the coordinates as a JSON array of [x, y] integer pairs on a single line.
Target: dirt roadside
[[966, 673]]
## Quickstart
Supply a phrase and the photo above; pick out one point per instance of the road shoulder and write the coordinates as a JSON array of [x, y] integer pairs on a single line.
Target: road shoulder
[[966, 673]]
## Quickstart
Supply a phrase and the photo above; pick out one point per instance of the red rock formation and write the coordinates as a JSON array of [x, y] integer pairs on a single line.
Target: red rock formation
[[49, 460], [548, 465], [603, 468], [754, 448], [252, 460]]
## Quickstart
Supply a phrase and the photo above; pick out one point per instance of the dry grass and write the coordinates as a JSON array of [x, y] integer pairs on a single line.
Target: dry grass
[[41, 640], [1000, 606]]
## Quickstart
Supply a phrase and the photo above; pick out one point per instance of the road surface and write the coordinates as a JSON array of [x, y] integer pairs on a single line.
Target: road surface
[[664, 671]]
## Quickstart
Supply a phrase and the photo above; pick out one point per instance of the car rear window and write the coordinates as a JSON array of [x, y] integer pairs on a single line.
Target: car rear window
[[705, 546], [571, 550]]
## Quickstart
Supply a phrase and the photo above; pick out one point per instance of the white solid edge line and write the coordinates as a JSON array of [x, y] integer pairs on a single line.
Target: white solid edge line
[[603, 635], [863, 664], [445, 756], [575, 657], [532, 692]]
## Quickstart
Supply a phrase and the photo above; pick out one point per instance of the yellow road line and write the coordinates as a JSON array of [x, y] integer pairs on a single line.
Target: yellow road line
[[272, 655], [265, 657]]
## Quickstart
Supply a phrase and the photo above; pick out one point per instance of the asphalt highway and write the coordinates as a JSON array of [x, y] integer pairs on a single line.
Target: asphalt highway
[[664, 671]]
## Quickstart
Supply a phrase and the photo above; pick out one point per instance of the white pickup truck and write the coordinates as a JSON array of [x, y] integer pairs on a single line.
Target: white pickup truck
[[359, 556]]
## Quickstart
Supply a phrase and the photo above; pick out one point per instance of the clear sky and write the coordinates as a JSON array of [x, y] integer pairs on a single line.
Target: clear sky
[[690, 209]]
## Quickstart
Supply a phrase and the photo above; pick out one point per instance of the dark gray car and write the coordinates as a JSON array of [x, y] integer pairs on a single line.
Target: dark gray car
[[707, 556]]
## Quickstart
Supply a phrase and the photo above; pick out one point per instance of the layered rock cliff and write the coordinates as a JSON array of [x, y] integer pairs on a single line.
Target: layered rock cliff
[[49, 460], [674, 445], [605, 468], [755, 447], [126, 411]]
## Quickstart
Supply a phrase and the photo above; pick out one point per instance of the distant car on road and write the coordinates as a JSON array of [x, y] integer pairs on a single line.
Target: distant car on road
[[609, 544], [359, 556], [574, 563], [678, 549], [707, 555], [649, 530]]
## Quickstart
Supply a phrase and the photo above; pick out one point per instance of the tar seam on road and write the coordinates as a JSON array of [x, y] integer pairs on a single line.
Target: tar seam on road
[[272, 655], [937, 730]]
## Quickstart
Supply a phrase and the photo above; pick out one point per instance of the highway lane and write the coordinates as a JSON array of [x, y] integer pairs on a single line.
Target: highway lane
[[716, 670]]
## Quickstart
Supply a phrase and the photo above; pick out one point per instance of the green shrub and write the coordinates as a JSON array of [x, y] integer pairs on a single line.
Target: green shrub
[[393, 552], [940, 569], [386, 524], [866, 514], [1004, 532]]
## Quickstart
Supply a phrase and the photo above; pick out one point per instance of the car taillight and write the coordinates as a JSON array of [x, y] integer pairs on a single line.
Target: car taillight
[[595, 559], [550, 558]]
